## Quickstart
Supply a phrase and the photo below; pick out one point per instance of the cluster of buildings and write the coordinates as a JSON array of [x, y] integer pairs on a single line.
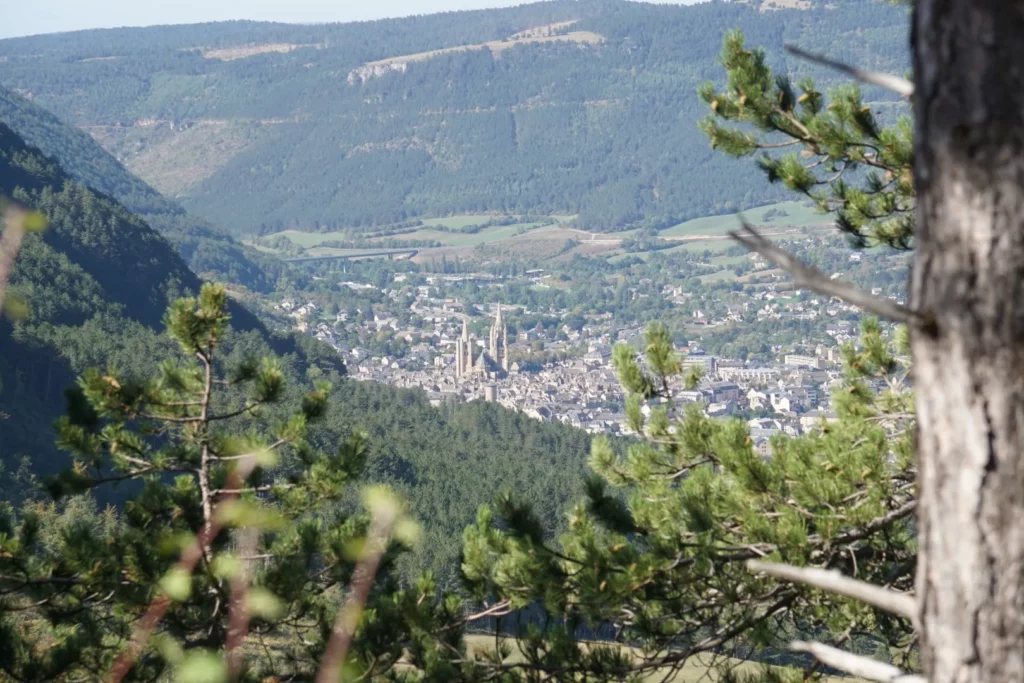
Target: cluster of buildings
[[577, 383]]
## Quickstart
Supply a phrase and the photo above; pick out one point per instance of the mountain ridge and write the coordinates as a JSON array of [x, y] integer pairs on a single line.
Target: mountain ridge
[[605, 131]]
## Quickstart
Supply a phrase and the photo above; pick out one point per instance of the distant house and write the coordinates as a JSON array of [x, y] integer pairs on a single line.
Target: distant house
[[724, 391], [538, 413]]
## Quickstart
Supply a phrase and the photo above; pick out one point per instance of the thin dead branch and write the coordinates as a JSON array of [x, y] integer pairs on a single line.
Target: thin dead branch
[[900, 86], [855, 665], [809, 277], [831, 581]]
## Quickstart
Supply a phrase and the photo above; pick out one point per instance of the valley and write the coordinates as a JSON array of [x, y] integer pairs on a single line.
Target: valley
[[439, 319], [490, 238]]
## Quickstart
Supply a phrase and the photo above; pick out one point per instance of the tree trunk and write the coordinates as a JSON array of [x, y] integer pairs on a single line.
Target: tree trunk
[[968, 280]]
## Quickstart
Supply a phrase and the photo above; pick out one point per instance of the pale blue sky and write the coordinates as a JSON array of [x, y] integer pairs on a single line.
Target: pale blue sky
[[28, 17]]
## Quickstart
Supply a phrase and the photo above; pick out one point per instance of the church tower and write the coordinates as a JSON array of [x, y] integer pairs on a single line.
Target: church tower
[[495, 333], [504, 348], [499, 341], [463, 352]]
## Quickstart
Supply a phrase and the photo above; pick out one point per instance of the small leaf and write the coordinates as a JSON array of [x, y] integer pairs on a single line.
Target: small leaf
[[266, 458], [34, 221], [244, 513], [407, 531], [169, 648], [381, 501], [226, 566], [177, 583], [264, 604], [353, 549], [174, 543], [202, 667], [15, 307]]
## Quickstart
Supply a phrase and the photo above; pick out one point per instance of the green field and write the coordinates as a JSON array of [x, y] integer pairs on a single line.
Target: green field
[[308, 240], [713, 245], [798, 216]]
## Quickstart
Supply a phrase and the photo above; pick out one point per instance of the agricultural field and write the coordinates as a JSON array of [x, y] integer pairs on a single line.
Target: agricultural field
[[558, 240], [433, 229], [782, 215]]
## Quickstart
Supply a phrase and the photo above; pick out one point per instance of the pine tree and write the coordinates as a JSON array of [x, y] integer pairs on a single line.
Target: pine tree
[[656, 557], [225, 560], [965, 284], [847, 161]]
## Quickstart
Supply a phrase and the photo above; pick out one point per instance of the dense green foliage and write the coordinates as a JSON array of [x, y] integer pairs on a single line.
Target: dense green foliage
[[656, 555], [849, 163], [604, 131], [206, 250], [238, 492], [80, 309], [653, 558], [449, 461]]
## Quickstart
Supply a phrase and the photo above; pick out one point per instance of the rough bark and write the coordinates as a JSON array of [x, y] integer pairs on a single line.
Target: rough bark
[[968, 279]]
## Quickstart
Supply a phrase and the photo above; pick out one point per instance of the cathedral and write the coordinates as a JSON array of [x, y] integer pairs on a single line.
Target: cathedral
[[488, 364]]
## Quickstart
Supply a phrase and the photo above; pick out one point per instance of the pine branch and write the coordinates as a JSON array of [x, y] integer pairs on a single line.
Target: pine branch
[[855, 665], [499, 609], [900, 86], [831, 581], [863, 532], [186, 564], [809, 277]]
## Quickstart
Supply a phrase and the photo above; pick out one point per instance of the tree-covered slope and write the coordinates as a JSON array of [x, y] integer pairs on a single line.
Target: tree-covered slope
[[207, 251], [97, 282], [266, 125]]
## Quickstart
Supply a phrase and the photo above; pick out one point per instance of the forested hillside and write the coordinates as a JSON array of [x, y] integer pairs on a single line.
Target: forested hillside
[[97, 282], [206, 250], [261, 126]]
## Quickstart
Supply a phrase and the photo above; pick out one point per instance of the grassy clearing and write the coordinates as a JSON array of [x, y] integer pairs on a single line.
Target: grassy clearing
[[713, 245], [242, 51], [355, 253], [429, 231], [706, 669], [798, 216], [540, 34]]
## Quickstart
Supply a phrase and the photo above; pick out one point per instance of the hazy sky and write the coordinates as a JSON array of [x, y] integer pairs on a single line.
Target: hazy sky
[[28, 17]]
